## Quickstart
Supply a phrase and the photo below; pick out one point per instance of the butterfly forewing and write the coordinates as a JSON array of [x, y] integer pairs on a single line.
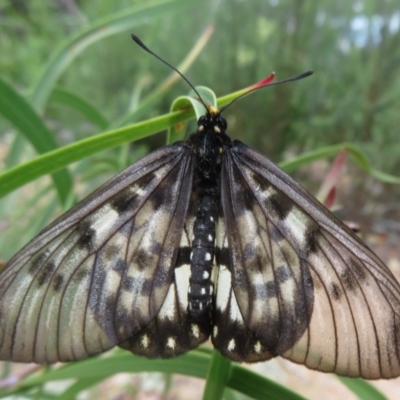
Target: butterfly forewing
[[100, 273], [337, 305]]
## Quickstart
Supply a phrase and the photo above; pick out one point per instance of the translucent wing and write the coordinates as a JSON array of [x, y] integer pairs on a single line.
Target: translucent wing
[[171, 332], [99, 274], [296, 282]]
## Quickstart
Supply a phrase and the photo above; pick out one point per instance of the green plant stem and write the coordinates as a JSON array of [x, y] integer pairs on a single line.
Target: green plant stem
[[217, 377]]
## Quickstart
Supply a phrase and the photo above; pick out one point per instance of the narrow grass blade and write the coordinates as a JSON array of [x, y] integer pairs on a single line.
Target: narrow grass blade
[[362, 389], [173, 78], [217, 377], [57, 159], [194, 363], [19, 112], [68, 50], [72, 100]]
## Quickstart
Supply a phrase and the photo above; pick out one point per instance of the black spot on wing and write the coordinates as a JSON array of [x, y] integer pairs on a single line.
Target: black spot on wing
[[249, 251], [147, 287], [348, 280], [45, 273], [395, 333], [37, 262], [87, 235], [58, 281], [128, 198], [308, 283], [271, 289], [111, 252], [183, 257], [119, 266], [81, 274], [162, 276], [280, 204], [124, 201], [128, 283], [282, 273], [222, 256], [261, 181], [336, 292], [156, 248], [244, 196], [276, 234], [311, 238], [358, 268], [140, 258], [159, 196]]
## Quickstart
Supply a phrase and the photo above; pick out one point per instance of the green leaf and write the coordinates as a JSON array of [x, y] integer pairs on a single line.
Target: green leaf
[[176, 132], [363, 389], [329, 151], [67, 98], [217, 377], [19, 112], [195, 363], [68, 50], [79, 386], [57, 159], [258, 387]]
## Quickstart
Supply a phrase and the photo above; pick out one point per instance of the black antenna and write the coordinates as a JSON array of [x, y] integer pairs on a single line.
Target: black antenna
[[144, 47], [268, 82]]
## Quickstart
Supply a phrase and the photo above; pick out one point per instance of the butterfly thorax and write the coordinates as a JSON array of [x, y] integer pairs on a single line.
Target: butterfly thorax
[[208, 148]]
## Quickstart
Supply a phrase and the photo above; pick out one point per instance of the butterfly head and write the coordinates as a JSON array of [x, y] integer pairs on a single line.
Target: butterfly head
[[212, 121]]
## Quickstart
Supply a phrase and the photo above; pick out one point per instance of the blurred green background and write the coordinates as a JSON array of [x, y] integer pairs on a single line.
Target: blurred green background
[[76, 65]]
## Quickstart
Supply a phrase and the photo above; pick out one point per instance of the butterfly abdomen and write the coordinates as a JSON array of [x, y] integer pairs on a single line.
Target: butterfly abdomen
[[206, 148]]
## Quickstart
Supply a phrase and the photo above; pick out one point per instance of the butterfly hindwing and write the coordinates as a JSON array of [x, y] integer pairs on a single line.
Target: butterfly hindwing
[[271, 295], [230, 334], [100, 273], [307, 288], [172, 332]]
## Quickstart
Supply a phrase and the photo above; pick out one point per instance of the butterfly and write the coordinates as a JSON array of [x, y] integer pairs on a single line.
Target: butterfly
[[202, 238]]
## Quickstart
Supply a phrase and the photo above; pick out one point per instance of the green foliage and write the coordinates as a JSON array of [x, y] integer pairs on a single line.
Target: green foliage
[[71, 81]]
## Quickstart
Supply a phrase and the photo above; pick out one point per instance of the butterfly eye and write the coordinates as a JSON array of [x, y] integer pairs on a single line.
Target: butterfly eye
[[222, 123], [202, 120]]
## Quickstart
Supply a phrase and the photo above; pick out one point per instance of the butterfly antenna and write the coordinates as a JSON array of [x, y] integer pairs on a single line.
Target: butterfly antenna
[[268, 82], [144, 47]]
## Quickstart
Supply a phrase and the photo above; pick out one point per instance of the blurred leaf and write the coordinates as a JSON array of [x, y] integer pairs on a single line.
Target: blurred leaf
[[195, 363], [217, 377], [72, 100], [57, 159], [327, 192], [329, 151], [68, 50], [174, 77], [15, 108], [362, 389]]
